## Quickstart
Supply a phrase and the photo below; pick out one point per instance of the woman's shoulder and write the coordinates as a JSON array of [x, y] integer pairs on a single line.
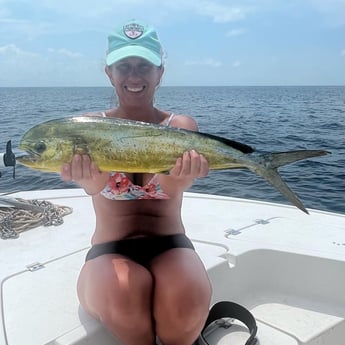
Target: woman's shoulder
[[184, 121], [104, 113], [95, 113]]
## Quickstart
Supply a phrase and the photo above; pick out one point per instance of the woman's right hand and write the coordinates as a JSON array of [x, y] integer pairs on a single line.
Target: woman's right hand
[[85, 173]]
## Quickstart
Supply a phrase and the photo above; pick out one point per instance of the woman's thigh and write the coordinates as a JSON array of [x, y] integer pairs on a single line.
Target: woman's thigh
[[111, 283]]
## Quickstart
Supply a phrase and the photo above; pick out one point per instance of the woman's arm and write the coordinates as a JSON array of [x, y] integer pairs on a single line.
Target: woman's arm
[[190, 166]]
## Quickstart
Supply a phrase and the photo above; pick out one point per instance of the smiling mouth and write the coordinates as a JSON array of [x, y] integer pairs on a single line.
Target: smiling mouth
[[135, 89]]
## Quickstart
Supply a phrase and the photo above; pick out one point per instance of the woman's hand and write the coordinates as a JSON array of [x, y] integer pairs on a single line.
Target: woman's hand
[[85, 173], [187, 168], [190, 166]]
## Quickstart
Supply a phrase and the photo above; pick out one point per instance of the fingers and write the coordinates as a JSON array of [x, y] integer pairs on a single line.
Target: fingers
[[191, 164], [66, 174], [176, 170], [204, 168], [80, 168], [198, 164]]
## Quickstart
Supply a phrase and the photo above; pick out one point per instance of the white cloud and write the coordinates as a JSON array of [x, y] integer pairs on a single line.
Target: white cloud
[[221, 13], [9, 48], [57, 67], [3, 12], [204, 62], [236, 63], [235, 32], [13, 51], [75, 31], [80, 15], [65, 52], [332, 10]]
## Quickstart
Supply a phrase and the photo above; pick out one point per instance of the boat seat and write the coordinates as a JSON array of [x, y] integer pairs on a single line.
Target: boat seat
[[306, 325], [89, 332], [63, 322], [92, 332]]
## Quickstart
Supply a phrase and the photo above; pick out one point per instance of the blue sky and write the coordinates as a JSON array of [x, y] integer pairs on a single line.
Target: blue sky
[[221, 42]]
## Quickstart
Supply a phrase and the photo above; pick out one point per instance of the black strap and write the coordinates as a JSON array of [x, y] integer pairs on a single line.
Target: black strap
[[231, 310]]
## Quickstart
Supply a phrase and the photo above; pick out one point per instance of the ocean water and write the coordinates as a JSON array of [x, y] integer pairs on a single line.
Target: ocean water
[[271, 119]]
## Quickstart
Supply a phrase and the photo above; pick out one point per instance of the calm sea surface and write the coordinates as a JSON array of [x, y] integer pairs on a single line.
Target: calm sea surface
[[267, 118]]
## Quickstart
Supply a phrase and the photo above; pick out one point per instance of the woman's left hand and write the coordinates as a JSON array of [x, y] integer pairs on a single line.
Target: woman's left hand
[[191, 165], [187, 168]]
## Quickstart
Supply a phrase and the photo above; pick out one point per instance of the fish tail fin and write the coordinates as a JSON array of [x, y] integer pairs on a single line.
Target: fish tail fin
[[268, 169], [278, 159]]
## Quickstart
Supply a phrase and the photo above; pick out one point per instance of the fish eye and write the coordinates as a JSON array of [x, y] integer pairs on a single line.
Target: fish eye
[[40, 147]]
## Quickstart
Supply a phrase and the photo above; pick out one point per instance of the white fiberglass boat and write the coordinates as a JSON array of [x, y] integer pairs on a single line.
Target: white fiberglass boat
[[286, 267]]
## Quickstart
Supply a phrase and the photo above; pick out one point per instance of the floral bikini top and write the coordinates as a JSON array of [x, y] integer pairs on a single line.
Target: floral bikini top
[[120, 187]]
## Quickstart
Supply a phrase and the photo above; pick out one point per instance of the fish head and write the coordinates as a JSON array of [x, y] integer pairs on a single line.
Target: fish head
[[45, 148]]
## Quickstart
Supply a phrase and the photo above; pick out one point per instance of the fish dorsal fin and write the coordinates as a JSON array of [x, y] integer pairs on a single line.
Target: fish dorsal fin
[[234, 144]]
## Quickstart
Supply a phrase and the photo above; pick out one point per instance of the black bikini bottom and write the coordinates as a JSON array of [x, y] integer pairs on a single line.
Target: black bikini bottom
[[141, 249]]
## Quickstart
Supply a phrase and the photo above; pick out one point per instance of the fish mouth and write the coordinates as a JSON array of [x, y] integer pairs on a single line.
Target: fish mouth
[[27, 155]]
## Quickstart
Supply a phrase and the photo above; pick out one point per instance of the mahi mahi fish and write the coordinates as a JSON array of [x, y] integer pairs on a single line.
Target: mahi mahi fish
[[139, 147]]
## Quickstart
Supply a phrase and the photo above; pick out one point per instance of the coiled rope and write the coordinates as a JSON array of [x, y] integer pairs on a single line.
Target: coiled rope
[[24, 215]]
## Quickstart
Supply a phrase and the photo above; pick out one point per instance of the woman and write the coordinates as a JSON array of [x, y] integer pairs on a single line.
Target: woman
[[142, 277]]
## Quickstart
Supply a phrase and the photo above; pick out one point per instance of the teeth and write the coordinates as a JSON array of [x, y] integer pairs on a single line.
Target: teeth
[[135, 89]]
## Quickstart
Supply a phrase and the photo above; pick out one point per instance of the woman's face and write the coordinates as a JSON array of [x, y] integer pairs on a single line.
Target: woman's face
[[135, 80]]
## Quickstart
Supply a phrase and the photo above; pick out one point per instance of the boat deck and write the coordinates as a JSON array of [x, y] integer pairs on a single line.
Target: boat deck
[[283, 265]]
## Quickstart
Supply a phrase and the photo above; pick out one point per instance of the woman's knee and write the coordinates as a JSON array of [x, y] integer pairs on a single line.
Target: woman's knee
[[182, 293], [188, 310], [182, 321]]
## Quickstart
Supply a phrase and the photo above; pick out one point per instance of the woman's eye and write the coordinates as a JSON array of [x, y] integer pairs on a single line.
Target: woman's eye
[[143, 69], [124, 68]]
